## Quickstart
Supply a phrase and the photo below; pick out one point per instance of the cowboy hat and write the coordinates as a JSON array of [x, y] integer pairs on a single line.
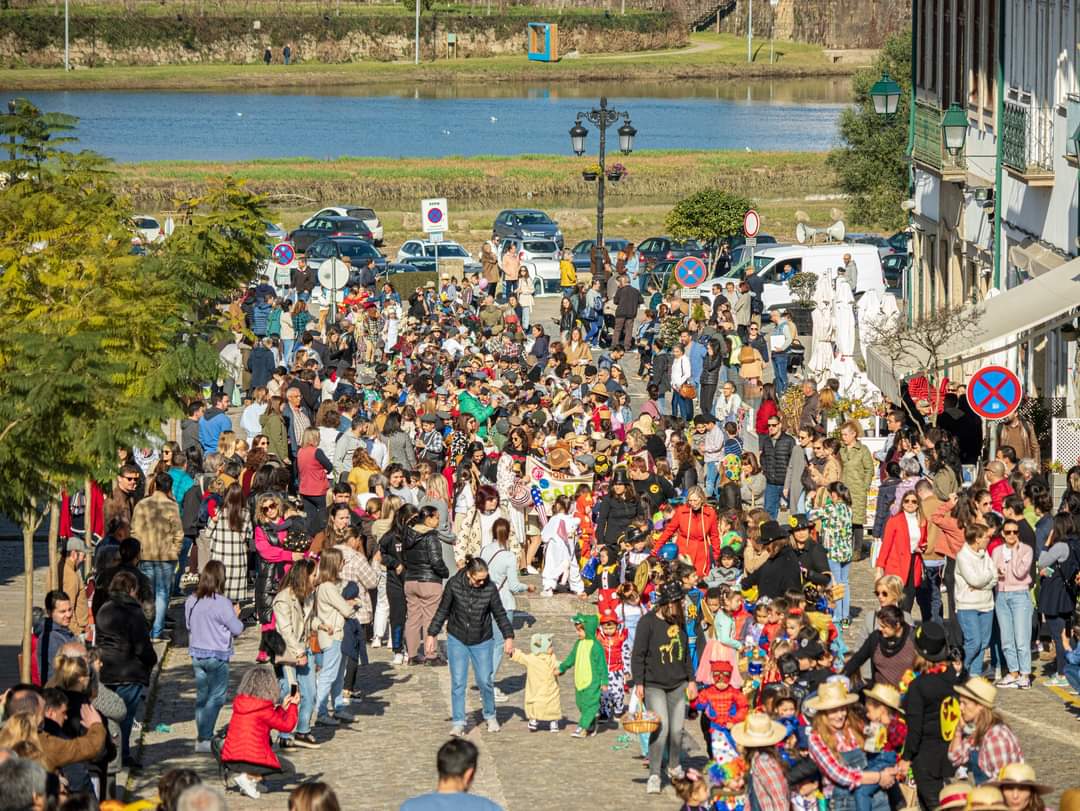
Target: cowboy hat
[[758, 731], [931, 643], [1019, 774], [622, 476], [986, 798], [599, 390], [953, 795], [885, 694], [644, 423], [559, 458], [832, 695], [979, 690], [772, 531], [798, 521]]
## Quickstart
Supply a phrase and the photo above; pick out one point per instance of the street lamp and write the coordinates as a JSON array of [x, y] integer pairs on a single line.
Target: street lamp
[[954, 127], [601, 118], [886, 95]]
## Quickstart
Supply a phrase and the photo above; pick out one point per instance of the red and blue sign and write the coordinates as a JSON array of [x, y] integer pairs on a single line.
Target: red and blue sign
[[690, 271], [435, 215], [994, 392], [284, 253]]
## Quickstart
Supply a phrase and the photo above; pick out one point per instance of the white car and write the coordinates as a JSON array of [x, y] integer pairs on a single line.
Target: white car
[[415, 248], [531, 249], [368, 215], [148, 229]]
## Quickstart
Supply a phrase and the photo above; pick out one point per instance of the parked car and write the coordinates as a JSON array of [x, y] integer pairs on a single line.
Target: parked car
[[275, 233], [414, 248], [901, 241], [414, 265], [530, 250], [368, 215], [657, 249], [740, 257], [762, 239], [771, 263], [524, 223], [893, 267], [883, 245], [148, 229], [357, 251], [306, 234], [581, 254]]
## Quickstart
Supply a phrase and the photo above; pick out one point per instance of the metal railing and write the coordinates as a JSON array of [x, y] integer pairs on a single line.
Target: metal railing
[[1027, 139], [928, 148]]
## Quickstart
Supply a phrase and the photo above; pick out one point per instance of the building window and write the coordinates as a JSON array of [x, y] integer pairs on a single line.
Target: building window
[[947, 65], [975, 77]]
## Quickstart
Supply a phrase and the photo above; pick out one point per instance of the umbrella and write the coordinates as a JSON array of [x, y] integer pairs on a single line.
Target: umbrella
[[821, 353]]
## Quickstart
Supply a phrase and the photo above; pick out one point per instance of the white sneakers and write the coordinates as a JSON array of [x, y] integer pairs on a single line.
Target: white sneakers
[[493, 725], [399, 658], [457, 732], [246, 783], [202, 747], [547, 593], [653, 786]]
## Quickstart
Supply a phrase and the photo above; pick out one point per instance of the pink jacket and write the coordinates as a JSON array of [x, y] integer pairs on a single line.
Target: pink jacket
[[1017, 575]]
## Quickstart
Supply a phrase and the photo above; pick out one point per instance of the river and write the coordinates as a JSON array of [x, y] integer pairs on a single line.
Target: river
[[410, 120]]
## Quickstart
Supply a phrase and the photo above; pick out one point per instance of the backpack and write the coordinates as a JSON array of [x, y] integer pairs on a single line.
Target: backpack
[[746, 355], [1070, 568]]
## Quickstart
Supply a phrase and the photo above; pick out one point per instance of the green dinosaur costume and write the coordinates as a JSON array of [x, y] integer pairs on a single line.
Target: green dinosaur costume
[[590, 670]]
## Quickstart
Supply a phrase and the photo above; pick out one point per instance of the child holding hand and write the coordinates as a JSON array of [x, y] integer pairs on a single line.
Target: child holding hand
[[541, 686]]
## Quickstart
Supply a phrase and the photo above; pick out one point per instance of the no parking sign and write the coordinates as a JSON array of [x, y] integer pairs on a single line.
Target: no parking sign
[[994, 392], [433, 215]]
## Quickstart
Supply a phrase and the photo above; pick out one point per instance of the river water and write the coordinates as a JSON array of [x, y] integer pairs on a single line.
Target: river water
[[409, 120]]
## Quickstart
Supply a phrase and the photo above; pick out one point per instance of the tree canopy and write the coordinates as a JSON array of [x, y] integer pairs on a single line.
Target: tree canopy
[[870, 163], [709, 216], [101, 343]]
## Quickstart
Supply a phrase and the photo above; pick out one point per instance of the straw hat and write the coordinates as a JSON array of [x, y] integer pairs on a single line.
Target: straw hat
[[831, 695], [1020, 774], [979, 690], [986, 798], [644, 423], [953, 795], [559, 458], [758, 730], [884, 694]]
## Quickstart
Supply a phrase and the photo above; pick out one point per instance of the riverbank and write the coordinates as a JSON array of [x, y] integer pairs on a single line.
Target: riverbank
[[709, 56], [654, 176]]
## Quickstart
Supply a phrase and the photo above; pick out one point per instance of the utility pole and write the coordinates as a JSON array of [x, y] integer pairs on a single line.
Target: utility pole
[[416, 58], [67, 60], [749, 30]]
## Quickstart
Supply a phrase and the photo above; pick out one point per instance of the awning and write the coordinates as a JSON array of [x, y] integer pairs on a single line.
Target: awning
[[1035, 259], [1037, 306]]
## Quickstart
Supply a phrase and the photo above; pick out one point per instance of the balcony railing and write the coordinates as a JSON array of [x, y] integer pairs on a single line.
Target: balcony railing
[[1027, 141], [928, 148]]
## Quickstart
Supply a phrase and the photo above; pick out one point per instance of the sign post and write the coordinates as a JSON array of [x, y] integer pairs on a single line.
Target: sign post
[[994, 392], [333, 275], [751, 224], [690, 273], [434, 217]]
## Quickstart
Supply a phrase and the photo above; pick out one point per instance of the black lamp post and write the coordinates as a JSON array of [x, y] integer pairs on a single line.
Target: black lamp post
[[601, 118]]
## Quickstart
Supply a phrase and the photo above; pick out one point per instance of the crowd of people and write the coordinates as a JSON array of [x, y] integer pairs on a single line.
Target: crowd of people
[[380, 474]]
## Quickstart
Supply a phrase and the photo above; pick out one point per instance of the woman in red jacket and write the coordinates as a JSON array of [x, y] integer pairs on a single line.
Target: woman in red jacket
[[246, 752], [696, 532], [902, 547], [768, 408]]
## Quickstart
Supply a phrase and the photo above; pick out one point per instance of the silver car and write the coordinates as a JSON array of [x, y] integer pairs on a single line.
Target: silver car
[[530, 249], [414, 248], [368, 215]]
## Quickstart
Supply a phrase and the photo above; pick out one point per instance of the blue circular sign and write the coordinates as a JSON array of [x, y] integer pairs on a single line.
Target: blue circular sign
[[435, 215], [994, 392], [284, 253], [690, 271]]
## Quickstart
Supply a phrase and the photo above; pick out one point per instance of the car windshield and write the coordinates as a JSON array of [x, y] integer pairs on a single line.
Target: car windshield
[[357, 250], [348, 227], [453, 251], [761, 262], [146, 222], [534, 218], [361, 213], [687, 245], [540, 246]]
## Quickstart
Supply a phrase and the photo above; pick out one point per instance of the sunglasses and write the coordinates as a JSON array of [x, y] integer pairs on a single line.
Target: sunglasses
[[910, 501], [130, 478], [774, 424], [1010, 532], [881, 593]]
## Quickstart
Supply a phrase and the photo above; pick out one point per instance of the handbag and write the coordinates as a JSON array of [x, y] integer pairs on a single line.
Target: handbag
[[520, 494], [313, 634], [688, 391]]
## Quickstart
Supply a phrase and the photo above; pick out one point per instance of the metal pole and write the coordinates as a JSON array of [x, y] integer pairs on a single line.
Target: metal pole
[[416, 57], [67, 60], [600, 182], [750, 30]]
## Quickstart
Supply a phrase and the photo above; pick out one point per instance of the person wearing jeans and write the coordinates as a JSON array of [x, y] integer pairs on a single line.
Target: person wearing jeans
[[331, 611], [776, 448], [212, 622], [156, 522], [1013, 606], [503, 570], [837, 538], [681, 374], [976, 576], [661, 667], [470, 601]]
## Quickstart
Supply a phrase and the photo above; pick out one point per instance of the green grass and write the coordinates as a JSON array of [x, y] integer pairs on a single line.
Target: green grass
[[723, 57]]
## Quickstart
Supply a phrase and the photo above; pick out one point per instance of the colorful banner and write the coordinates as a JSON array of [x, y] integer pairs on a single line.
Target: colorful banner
[[551, 484]]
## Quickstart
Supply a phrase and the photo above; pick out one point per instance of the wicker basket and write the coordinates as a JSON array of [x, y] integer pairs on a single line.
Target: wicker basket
[[641, 723]]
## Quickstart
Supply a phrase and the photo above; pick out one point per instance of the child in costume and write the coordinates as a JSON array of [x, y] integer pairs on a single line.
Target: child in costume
[[606, 577], [728, 571], [616, 644], [559, 537], [804, 777], [885, 735], [583, 511], [692, 598], [541, 686], [721, 603], [720, 704], [694, 790], [629, 609], [590, 673]]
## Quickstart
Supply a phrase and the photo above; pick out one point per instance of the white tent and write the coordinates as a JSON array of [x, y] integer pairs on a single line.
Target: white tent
[[843, 314], [821, 353]]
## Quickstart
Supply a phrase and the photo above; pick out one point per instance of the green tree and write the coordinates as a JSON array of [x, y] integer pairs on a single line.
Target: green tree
[[100, 344], [870, 163], [709, 216]]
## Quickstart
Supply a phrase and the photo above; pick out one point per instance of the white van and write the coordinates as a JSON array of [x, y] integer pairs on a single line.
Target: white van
[[770, 264]]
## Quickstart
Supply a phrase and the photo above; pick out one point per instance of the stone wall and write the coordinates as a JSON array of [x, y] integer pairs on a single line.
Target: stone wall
[[840, 24], [230, 40]]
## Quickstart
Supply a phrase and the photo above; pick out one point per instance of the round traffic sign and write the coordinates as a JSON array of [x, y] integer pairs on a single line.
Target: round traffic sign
[[690, 271], [435, 215], [284, 253], [333, 275], [994, 392], [751, 223]]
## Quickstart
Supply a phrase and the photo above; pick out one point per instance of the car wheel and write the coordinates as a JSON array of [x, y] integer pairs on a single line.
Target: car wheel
[[538, 287]]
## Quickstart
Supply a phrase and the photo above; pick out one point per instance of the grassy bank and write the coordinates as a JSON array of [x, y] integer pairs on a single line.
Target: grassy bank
[[655, 176], [709, 56]]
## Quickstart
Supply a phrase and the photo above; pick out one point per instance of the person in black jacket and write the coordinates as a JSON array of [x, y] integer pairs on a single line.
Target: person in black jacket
[[425, 571], [662, 669], [781, 571], [924, 748], [711, 365], [392, 547], [261, 364], [127, 656], [470, 602], [776, 450], [617, 509], [813, 562]]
